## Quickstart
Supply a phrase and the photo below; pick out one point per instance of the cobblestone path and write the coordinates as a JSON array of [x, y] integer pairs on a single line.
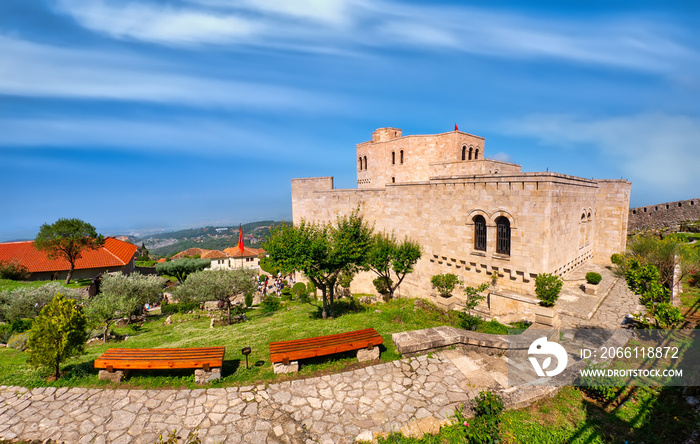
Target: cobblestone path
[[327, 409]]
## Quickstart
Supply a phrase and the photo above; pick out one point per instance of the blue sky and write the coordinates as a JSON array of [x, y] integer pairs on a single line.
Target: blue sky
[[136, 114]]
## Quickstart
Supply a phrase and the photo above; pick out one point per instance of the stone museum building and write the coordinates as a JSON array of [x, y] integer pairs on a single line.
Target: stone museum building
[[473, 216]]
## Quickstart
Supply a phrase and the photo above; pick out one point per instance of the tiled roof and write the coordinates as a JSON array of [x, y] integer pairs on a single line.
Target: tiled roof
[[191, 252], [247, 252], [213, 254], [114, 253]]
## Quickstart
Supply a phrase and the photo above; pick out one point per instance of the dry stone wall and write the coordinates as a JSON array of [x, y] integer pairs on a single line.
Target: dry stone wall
[[665, 215]]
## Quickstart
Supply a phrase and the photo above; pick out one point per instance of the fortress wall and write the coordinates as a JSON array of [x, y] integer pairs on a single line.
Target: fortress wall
[[663, 215], [543, 209], [463, 168], [612, 203]]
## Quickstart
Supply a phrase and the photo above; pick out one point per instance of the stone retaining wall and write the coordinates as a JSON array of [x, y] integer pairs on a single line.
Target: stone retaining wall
[[663, 215]]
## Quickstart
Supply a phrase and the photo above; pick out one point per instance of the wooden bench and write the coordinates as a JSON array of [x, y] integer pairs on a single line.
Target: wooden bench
[[284, 355], [208, 361]]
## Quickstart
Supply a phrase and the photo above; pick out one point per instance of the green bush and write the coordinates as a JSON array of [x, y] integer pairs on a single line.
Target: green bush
[[298, 289], [286, 294], [488, 404], [248, 298], [547, 288], [602, 388], [19, 341], [593, 278], [617, 259], [445, 283], [182, 307], [268, 267], [20, 325], [270, 304], [13, 270], [147, 264], [5, 333], [311, 288]]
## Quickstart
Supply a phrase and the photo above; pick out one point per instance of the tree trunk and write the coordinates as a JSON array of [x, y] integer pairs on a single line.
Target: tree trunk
[[330, 300], [325, 303], [228, 310], [104, 336], [70, 273]]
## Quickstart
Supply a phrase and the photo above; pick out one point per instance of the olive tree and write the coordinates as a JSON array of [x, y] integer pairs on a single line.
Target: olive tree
[[121, 296], [217, 285], [68, 239], [182, 268]]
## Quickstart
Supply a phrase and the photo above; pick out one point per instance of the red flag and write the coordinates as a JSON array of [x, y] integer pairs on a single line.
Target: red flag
[[240, 239], [456, 129]]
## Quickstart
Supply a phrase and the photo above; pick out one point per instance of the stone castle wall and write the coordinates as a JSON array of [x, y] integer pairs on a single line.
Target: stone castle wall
[[544, 210], [663, 215]]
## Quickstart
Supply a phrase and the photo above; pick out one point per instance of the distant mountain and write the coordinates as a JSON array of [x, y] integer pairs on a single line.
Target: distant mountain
[[210, 238]]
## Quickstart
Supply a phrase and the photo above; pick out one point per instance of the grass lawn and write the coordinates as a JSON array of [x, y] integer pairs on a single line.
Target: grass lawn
[[9, 285], [293, 321], [652, 415]]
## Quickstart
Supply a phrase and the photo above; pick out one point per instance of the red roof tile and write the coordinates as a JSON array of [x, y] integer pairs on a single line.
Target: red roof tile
[[247, 252], [213, 254], [114, 253]]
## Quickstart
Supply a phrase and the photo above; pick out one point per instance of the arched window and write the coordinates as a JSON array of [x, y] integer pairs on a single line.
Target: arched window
[[393, 180], [471, 150], [503, 235], [479, 233], [365, 162], [464, 153], [476, 154], [401, 156], [359, 161], [393, 157]]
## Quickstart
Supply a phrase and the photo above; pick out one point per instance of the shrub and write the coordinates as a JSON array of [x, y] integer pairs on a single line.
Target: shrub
[[593, 278], [286, 294], [547, 288], [270, 304], [382, 286], [19, 341], [5, 333], [26, 302], [182, 307], [58, 333], [445, 283], [146, 263], [20, 325], [603, 388], [13, 270], [298, 289], [488, 404], [248, 298]]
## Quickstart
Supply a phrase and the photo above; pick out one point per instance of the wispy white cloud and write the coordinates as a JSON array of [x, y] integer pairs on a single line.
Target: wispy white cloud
[[37, 70], [340, 26], [659, 153], [204, 137], [503, 157]]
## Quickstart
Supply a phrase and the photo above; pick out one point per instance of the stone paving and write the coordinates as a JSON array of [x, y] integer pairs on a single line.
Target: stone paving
[[327, 409], [618, 302]]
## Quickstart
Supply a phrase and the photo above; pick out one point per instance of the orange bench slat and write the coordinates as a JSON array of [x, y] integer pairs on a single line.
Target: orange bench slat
[[161, 358], [323, 345]]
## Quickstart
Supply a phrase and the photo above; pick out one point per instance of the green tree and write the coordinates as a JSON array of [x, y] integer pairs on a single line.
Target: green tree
[[445, 283], [68, 239], [182, 268], [388, 255], [321, 251], [121, 296], [547, 288], [27, 302], [217, 285], [57, 334]]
